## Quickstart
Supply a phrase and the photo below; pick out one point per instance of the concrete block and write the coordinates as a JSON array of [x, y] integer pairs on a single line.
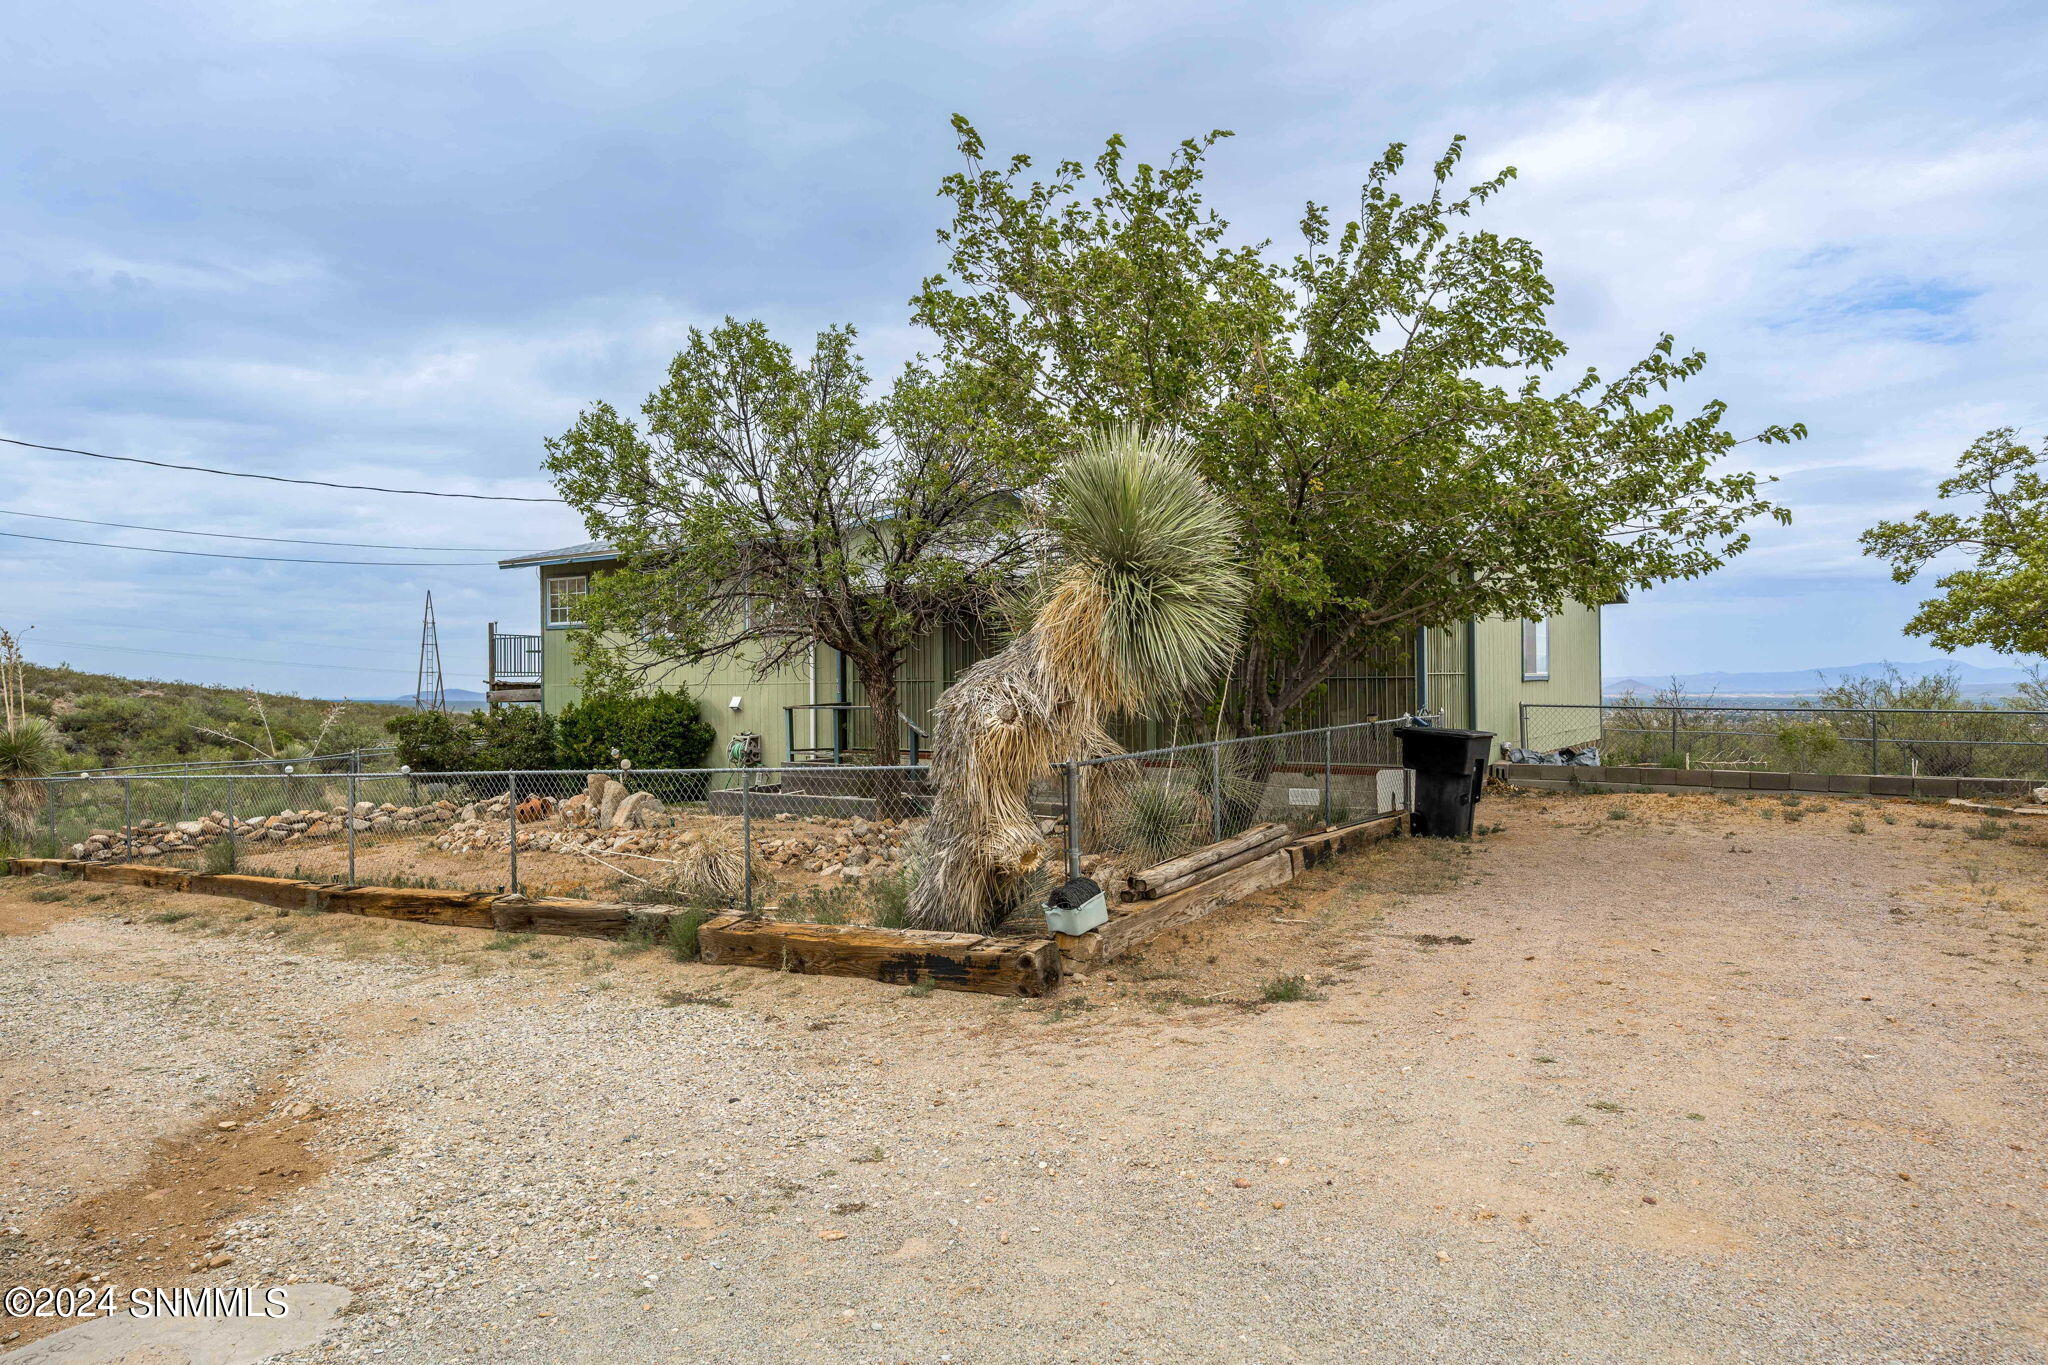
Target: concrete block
[[1770, 782], [1692, 777], [1891, 786], [1732, 779], [1851, 783], [1809, 782], [1943, 787]]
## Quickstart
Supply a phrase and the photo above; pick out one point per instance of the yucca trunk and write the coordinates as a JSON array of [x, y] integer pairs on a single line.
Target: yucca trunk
[[996, 731], [1147, 603]]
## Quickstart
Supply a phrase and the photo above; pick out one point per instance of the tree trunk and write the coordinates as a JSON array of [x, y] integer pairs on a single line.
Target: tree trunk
[[878, 680]]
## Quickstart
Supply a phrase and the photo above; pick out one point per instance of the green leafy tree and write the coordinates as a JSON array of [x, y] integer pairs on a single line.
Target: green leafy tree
[[766, 503], [2000, 599], [1373, 408]]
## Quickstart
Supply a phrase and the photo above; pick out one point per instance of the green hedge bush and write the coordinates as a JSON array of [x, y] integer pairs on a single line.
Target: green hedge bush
[[661, 730]]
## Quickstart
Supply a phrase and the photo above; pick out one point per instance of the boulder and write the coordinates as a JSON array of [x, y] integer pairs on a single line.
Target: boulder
[[633, 812], [608, 809]]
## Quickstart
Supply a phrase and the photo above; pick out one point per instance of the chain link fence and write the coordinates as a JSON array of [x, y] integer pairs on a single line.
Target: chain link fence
[[1969, 743], [349, 761], [1137, 810], [830, 843]]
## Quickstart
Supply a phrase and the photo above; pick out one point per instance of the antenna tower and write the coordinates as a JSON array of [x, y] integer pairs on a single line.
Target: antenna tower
[[428, 693]]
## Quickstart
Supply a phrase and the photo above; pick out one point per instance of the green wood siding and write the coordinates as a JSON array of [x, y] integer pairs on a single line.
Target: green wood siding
[[1574, 675], [1475, 679], [714, 684]]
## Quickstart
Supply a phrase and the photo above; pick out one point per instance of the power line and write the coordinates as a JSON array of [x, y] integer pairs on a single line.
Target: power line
[[276, 478], [269, 559], [270, 540], [219, 658]]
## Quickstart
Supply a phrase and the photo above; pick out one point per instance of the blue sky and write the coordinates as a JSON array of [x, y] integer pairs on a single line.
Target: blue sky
[[404, 242]]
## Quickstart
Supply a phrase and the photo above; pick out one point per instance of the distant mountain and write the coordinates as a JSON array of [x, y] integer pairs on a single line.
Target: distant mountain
[[459, 699], [1976, 679]]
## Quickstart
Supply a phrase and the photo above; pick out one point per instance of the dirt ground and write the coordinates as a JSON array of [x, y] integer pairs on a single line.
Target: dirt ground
[[1626, 1078]]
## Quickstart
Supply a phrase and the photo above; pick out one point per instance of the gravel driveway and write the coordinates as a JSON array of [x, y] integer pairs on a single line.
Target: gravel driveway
[[1694, 1083]]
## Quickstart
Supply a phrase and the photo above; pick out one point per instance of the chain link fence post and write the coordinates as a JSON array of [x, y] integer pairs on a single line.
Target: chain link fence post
[[50, 790], [512, 830], [1329, 756], [747, 839], [1873, 743], [127, 818], [1216, 792], [1072, 772], [349, 823], [234, 854]]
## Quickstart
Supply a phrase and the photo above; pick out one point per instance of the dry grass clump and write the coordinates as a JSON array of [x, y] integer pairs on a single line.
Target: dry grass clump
[[710, 869]]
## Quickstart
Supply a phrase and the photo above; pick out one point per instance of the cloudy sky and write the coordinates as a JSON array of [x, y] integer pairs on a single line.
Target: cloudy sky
[[400, 243]]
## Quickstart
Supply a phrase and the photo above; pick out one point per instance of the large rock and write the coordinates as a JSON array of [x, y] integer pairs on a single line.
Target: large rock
[[633, 811], [608, 806]]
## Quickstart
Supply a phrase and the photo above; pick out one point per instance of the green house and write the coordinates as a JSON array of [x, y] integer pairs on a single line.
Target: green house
[[1479, 674]]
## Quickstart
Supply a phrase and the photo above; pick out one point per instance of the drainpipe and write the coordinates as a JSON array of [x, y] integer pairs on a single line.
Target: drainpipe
[[812, 742], [1471, 673], [1421, 668]]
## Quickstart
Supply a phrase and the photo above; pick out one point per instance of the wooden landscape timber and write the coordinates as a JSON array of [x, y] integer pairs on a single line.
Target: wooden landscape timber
[[1175, 873], [1203, 883], [1135, 923], [907, 957], [961, 962]]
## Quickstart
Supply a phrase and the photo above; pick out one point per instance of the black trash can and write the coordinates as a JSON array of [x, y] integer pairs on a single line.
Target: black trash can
[[1450, 773]]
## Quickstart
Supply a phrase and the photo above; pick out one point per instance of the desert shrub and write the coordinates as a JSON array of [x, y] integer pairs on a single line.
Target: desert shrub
[[659, 730], [1152, 816], [519, 738], [1808, 745], [889, 898], [1287, 989], [681, 938], [433, 742]]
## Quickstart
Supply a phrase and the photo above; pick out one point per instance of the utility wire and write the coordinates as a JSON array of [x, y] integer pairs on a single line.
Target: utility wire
[[269, 559], [221, 658], [276, 478], [271, 540]]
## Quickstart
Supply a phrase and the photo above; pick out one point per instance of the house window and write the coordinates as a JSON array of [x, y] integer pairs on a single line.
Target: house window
[[1536, 650], [565, 600]]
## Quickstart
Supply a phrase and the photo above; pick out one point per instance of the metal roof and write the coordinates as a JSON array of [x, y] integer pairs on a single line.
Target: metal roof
[[568, 554]]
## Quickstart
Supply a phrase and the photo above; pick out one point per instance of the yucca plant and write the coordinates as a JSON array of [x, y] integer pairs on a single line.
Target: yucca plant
[[1141, 606], [1152, 818], [29, 749]]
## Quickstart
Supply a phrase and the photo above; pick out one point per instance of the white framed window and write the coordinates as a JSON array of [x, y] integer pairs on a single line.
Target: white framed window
[[565, 600], [1536, 650]]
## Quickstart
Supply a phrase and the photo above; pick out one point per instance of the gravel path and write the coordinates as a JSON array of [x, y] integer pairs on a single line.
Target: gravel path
[[1702, 1085]]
